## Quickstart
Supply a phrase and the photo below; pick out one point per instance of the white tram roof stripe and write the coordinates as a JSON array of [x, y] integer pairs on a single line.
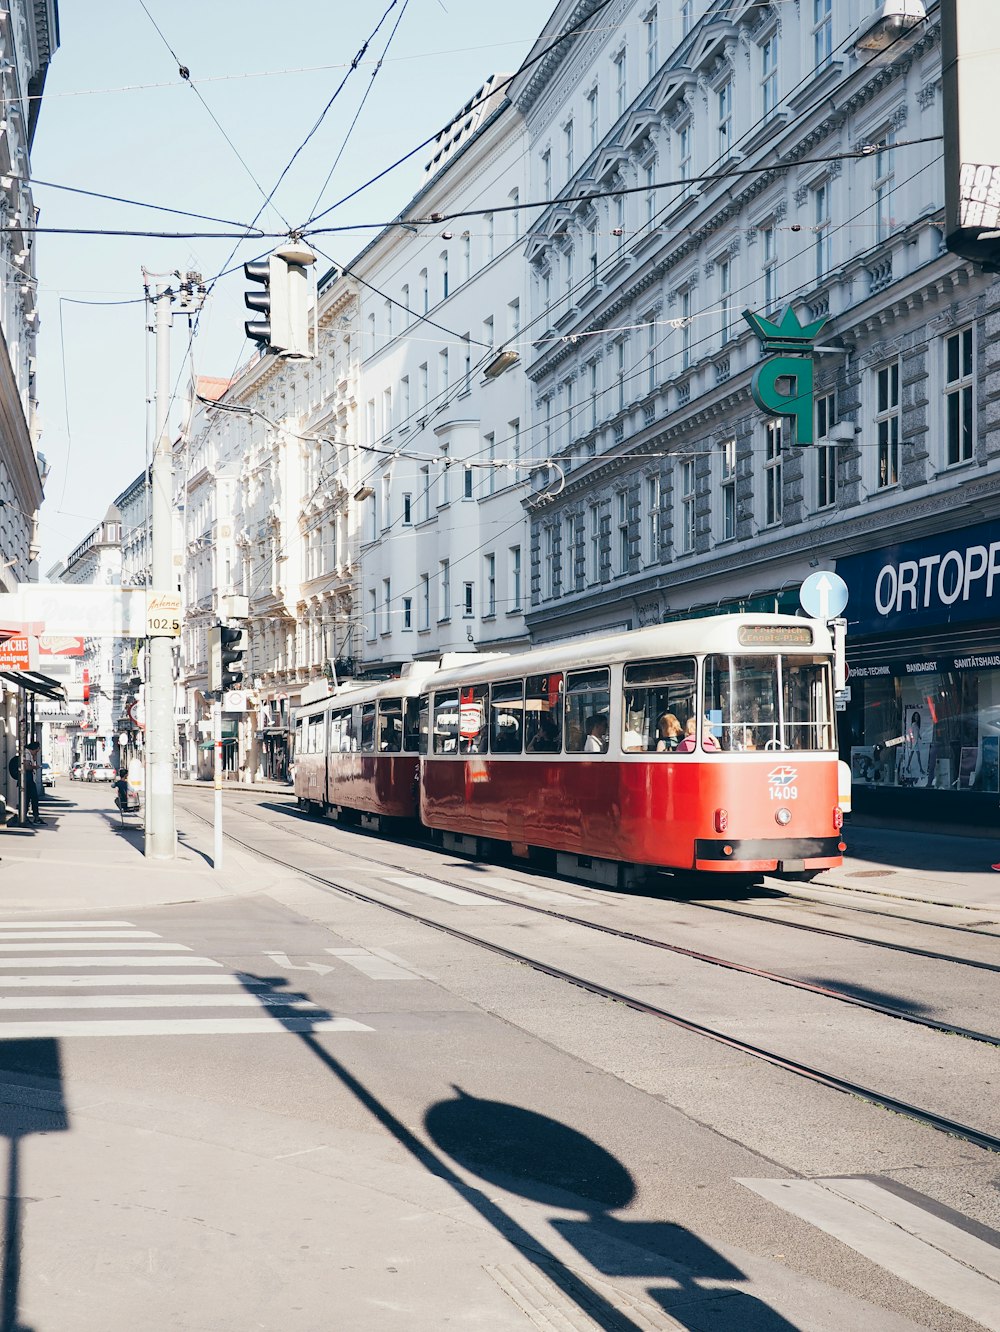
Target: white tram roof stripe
[[681, 638]]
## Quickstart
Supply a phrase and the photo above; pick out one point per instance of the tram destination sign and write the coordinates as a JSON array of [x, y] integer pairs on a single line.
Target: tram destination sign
[[774, 635]]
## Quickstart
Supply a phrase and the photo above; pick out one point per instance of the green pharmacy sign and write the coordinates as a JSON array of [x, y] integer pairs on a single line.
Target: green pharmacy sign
[[783, 384]]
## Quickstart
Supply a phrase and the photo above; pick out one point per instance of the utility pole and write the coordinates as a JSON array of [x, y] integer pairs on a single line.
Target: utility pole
[[189, 296]]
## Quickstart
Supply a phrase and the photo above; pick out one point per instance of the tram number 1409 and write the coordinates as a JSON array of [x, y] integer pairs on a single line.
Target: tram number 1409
[[781, 783]]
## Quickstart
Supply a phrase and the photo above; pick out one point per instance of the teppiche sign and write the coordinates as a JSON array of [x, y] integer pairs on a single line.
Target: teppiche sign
[[948, 578], [19, 653]]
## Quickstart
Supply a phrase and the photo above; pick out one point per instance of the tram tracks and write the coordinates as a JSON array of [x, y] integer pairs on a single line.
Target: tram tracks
[[942, 1123]]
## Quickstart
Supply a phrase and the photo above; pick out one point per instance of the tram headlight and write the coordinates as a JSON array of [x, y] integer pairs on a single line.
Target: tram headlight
[[783, 816]]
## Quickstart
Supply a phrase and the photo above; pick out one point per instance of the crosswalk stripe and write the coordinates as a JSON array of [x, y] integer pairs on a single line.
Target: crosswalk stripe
[[126, 978], [109, 947], [185, 960], [63, 924], [76, 1001], [444, 891], [79, 934], [929, 1253], [260, 1026]]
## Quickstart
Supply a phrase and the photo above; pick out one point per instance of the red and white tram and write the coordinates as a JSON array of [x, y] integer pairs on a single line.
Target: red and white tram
[[703, 745], [357, 751]]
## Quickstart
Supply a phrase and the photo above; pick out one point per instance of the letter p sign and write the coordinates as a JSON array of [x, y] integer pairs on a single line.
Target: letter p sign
[[783, 386]]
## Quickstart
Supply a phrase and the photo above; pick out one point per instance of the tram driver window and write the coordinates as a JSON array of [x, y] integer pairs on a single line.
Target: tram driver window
[[659, 698], [414, 726], [543, 697], [446, 723], [423, 724], [588, 706], [506, 717], [769, 702], [473, 730], [299, 748]]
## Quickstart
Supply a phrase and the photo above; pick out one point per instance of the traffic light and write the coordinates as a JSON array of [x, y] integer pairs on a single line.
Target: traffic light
[[226, 646], [283, 301]]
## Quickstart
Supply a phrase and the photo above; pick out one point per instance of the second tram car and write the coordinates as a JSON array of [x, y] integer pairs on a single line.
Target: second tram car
[[705, 745]]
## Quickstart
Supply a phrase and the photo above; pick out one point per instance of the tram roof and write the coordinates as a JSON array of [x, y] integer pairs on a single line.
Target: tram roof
[[680, 638]]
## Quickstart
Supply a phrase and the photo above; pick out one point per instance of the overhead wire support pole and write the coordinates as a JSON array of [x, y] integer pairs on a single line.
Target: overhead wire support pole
[[161, 837]]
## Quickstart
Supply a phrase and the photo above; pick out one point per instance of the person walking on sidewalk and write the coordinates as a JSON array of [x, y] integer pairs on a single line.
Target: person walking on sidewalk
[[30, 766]]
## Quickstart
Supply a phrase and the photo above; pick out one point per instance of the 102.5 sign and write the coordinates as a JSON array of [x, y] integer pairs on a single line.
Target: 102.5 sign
[[163, 615]]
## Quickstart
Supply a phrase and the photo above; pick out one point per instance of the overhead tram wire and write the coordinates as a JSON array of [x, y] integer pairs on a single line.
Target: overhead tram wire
[[185, 74]]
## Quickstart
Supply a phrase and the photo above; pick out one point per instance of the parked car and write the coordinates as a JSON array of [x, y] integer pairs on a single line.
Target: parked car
[[100, 772], [48, 776], [76, 771]]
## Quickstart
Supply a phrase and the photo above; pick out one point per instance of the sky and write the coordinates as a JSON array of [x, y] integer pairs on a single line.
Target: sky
[[118, 119]]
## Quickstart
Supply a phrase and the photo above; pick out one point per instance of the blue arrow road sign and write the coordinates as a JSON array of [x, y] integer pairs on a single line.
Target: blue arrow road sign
[[823, 595]]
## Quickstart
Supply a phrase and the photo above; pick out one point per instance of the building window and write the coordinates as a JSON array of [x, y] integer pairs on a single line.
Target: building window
[[592, 247], [687, 17], [686, 330], [772, 472], [769, 74], [387, 421], [491, 456], [725, 272], [884, 178], [425, 601], [467, 483], [822, 33], [620, 373], [727, 490], [404, 400], [515, 213], [515, 578], [569, 555], [371, 626], [724, 101], [826, 454], [514, 318], [514, 435], [488, 331], [424, 381], [685, 146], [568, 148], [490, 225], [466, 363], [444, 590], [425, 476], [651, 192], [386, 501], [688, 514], [444, 275], [568, 271], [550, 562], [651, 354], [443, 370], [593, 117], [425, 291], [651, 24], [466, 256], [887, 424], [959, 365], [822, 231], [595, 543], [547, 174], [623, 537], [619, 227], [490, 575], [468, 597], [407, 509], [651, 532], [621, 86], [595, 394], [386, 605], [407, 613]]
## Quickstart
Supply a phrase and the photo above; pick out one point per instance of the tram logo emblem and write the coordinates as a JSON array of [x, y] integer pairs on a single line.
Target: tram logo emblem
[[782, 776]]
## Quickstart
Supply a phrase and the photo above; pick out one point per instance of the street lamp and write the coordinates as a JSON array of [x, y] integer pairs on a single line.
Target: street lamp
[[897, 18]]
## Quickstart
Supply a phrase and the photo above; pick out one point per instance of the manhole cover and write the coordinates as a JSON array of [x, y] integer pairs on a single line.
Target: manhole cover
[[871, 874]]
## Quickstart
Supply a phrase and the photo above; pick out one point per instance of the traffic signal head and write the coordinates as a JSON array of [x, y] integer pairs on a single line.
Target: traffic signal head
[[283, 301], [233, 643]]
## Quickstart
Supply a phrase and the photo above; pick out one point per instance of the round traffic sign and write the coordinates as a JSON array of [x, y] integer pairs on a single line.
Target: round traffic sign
[[823, 595]]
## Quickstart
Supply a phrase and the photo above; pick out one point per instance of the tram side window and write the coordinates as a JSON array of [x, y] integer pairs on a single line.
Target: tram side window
[[806, 703], [473, 728], [660, 696], [390, 725], [412, 729], [741, 701], [507, 717], [445, 723], [588, 704], [299, 749], [316, 734], [423, 723], [368, 728], [342, 733], [543, 697]]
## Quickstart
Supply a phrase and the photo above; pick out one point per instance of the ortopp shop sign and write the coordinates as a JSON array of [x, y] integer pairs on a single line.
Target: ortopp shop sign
[[949, 578]]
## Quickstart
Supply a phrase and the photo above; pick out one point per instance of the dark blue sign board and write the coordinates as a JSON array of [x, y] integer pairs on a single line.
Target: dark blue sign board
[[948, 578]]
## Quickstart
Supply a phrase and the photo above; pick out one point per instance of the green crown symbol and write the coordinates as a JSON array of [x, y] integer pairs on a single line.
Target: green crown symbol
[[785, 335]]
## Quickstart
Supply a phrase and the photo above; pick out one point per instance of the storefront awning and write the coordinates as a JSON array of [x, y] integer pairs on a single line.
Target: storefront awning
[[34, 683]]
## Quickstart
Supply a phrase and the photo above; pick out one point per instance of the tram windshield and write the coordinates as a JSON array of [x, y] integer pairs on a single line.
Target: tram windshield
[[769, 702]]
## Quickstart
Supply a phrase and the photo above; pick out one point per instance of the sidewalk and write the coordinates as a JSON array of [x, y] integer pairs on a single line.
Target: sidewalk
[[82, 858]]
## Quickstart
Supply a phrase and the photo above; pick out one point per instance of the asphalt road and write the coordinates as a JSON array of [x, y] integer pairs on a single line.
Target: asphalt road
[[303, 1111]]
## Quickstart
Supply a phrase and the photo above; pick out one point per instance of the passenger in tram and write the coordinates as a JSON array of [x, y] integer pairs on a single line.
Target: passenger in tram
[[597, 734], [546, 738], [689, 743], [632, 740], [668, 733]]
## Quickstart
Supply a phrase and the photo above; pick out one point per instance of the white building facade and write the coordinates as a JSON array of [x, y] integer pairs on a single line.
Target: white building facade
[[442, 435]]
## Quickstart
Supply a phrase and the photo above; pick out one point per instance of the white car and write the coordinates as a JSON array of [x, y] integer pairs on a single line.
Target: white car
[[100, 772]]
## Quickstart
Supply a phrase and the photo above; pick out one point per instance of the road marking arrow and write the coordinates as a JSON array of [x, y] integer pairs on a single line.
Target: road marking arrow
[[285, 961]]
